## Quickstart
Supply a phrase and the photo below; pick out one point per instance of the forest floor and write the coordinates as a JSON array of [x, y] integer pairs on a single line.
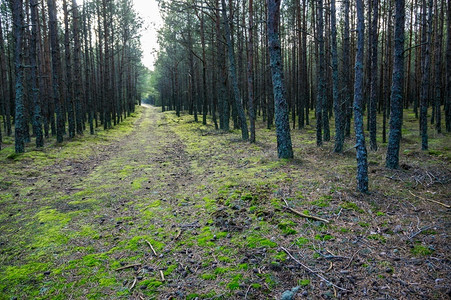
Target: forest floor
[[163, 207]]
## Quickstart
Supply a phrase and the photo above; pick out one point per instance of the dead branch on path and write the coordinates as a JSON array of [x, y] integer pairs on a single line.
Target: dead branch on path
[[128, 267], [312, 271], [303, 215], [430, 200]]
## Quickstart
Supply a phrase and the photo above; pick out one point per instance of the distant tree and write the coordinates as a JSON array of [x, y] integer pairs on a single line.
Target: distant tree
[[425, 68], [56, 70], [250, 71], [284, 146], [338, 107], [34, 60], [374, 77], [362, 163], [321, 112], [392, 160]]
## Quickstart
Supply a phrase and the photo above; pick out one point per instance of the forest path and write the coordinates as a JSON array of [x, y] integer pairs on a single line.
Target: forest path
[[211, 207]]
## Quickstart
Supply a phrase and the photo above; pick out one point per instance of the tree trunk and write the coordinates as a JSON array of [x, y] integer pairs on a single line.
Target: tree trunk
[[284, 146], [374, 70], [361, 153], [448, 72], [35, 92], [56, 70], [339, 132], [425, 67], [20, 122], [232, 72], [392, 160], [321, 112], [69, 92], [250, 72]]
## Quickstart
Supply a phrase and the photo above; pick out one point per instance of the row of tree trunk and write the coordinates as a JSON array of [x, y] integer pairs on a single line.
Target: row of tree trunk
[[281, 61], [59, 78]]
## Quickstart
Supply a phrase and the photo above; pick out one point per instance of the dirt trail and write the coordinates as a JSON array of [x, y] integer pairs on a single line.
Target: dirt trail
[[211, 208]]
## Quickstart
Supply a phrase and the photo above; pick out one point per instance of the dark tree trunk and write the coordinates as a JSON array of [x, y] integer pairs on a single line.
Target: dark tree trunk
[[448, 72], [77, 70], [20, 118], [35, 92], [321, 112], [392, 160], [56, 70], [425, 68], [374, 70], [250, 72], [68, 70], [339, 132], [232, 72], [361, 152], [346, 73], [284, 146]]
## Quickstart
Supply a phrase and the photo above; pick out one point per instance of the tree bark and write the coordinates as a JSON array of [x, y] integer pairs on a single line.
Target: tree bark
[[250, 72], [361, 152], [232, 72], [392, 160], [284, 146]]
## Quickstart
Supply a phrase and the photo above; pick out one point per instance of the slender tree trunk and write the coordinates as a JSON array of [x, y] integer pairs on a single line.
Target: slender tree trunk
[[346, 72], [321, 112], [448, 72], [425, 67], [438, 66], [361, 153], [374, 79], [392, 160], [77, 69], [232, 72], [250, 72], [56, 70], [284, 146], [36, 95], [68, 70], [339, 132]]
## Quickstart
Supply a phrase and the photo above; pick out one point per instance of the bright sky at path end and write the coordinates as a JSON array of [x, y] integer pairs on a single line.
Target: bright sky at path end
[[150, 13]]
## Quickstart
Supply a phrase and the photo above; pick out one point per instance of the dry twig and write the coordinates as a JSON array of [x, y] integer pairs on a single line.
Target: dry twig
[[312, 271], [425, 199], [134, 283], [303, 215], [128, 267], [150, 245], [162, 276]]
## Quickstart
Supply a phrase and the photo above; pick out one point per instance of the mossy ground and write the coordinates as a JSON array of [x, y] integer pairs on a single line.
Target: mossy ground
[[211, 206]]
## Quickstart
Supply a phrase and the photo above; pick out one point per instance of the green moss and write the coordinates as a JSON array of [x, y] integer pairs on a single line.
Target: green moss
[[377, 237], [208, 276], [287, 227], [323, 237], [352, 206], [302, 241], [254, 241], [304, 282], [420, 250]]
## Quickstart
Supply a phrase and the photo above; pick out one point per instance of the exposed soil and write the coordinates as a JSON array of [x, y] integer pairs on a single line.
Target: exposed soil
[[177, 210]]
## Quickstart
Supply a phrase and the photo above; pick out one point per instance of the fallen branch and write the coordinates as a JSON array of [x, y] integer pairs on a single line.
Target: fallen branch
[[179, 233], [128, 267], [150, 245], [162, 276], [134, 283], [425, 199], [352, 258], [305, 216], [312, 271]]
